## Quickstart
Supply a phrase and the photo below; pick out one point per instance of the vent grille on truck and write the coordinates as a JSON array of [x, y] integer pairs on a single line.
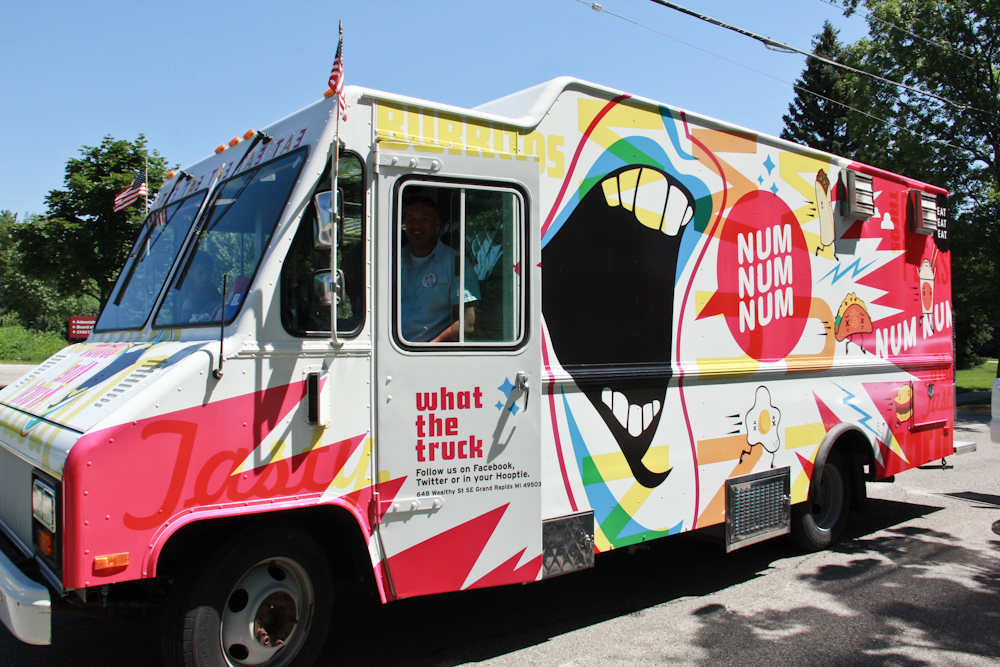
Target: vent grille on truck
[[758, 507], [567, 544]]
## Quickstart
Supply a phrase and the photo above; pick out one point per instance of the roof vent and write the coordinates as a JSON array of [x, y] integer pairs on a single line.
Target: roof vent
[[923, 212], [859, 204]]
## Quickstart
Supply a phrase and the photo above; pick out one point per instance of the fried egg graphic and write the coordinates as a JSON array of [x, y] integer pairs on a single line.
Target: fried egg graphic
[[762, 424]]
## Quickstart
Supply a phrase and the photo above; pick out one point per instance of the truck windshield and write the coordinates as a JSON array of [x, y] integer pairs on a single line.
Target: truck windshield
[[154, 253], [232, 237]]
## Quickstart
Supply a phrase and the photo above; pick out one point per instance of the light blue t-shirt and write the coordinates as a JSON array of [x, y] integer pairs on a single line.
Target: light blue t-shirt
[[429, 288]]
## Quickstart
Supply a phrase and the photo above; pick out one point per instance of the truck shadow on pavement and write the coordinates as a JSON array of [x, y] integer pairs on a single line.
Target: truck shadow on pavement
[[894, 603], [887, 601], [469, 627]]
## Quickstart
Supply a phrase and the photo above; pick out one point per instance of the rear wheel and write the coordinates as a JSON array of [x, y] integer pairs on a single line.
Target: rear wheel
[[264, 600], [818, 522]]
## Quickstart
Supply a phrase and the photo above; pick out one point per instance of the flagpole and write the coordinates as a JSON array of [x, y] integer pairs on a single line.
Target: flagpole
[[334, 197], [146, 178]]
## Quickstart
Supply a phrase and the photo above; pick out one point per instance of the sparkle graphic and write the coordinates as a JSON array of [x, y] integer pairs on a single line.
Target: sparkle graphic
[[506, 388], [768, 164]]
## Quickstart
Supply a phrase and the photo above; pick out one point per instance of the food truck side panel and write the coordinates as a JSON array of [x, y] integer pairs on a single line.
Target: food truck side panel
[[713, 308]]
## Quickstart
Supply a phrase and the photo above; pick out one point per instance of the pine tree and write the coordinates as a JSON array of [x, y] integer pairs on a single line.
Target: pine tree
[[813, 119]]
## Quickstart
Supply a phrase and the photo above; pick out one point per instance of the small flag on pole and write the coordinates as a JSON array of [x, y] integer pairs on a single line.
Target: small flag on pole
[[336, 82], [127, 197]]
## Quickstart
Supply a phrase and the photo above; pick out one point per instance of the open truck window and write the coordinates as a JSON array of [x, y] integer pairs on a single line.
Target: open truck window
[[231, 239], [458, 265], [306, 281], [139, 285]]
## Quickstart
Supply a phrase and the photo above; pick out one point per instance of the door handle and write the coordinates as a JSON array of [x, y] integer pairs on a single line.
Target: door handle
[[522, 384]]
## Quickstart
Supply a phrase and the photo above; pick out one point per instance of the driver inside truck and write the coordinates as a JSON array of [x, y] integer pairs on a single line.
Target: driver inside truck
[[429, 289]]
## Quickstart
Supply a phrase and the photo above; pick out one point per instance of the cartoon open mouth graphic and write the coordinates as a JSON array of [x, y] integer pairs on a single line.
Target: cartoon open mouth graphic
[[608, 300]]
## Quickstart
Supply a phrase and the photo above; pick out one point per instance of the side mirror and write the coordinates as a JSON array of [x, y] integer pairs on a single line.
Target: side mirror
[[325, 286], [323, 227]]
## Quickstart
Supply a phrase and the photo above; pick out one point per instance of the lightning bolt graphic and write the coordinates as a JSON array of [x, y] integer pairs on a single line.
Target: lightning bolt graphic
[[837, 272], [850, 402]]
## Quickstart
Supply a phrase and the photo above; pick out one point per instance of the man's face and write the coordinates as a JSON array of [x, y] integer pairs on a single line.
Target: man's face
[[421, 223]]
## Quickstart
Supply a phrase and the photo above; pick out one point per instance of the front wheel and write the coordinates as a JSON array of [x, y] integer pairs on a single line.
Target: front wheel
[[264, 600], [818, 522]]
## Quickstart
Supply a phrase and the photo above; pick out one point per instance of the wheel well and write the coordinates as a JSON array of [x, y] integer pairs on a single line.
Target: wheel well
[[856, 449], [335, 530]]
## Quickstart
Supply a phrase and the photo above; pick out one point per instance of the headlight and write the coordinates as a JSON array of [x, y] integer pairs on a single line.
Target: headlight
[[43, 505]]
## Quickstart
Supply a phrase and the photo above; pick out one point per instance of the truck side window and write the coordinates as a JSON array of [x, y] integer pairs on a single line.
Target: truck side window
[[458, 265], [305, 310]]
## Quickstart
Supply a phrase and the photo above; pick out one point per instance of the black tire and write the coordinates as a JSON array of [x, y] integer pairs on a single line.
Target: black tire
[[818, 522], [265, 599]]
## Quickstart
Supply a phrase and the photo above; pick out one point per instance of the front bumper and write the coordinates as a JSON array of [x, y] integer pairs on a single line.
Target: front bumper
[[25, 606]]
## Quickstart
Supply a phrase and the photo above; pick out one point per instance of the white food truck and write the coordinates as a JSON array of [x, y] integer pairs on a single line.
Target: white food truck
[[501, 340]]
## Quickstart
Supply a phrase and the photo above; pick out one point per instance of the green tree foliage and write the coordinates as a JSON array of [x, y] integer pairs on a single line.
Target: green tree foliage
[[33, 303], [951, 138], [814, 117], [81, 243]]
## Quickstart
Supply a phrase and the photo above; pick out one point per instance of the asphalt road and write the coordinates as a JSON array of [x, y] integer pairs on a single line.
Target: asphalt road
[[11, 372], [915, 582]]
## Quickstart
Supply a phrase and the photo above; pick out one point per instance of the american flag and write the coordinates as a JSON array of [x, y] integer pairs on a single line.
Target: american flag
[[337, 76], [127, 197]]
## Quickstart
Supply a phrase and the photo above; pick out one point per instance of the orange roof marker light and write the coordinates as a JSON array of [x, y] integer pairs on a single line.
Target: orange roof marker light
[[234, 141], [220, 148]]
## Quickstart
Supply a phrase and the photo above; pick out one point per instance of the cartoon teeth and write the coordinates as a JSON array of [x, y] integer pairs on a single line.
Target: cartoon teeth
[[656, 202], [633, 418]]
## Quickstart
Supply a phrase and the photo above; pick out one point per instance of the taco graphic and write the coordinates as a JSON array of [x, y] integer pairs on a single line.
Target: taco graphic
[[852, 320]]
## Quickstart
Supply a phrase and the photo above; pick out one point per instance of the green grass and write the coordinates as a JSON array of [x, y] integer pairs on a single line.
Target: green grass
[[23, 346], [979, 378]]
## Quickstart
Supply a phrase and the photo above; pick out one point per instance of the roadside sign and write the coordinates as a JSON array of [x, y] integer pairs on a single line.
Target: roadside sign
[[80, 326]]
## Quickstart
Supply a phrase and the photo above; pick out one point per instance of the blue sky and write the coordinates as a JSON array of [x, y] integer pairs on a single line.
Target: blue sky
[[191, 75]]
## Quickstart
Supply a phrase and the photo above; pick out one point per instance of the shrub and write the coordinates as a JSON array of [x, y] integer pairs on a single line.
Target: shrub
[[21, 345]]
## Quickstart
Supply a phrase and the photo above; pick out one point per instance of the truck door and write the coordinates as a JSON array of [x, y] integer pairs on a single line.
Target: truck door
[[458, 371]]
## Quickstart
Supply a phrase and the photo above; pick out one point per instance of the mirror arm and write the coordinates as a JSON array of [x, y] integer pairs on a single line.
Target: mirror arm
[[217, 373]]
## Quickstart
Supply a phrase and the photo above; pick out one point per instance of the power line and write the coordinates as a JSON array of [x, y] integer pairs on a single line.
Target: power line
[[780, 46], [597, 7], [868, 15]]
